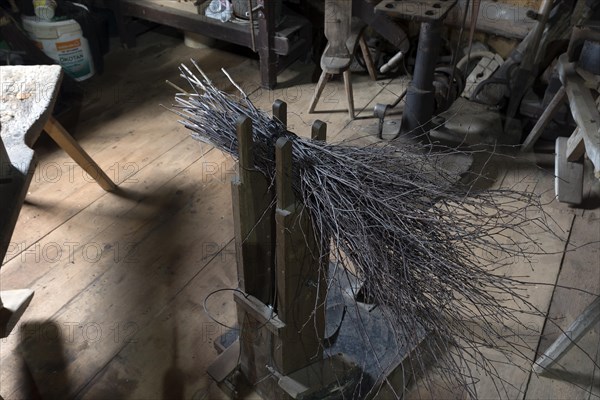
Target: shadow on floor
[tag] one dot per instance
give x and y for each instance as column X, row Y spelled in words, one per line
column 43, row 374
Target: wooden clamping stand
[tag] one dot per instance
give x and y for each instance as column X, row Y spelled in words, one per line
column 282, row 282
column 285, row 347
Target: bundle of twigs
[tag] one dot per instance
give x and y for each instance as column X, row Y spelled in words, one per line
column 425, row 247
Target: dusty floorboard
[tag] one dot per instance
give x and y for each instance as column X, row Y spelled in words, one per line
column 120, row 279
column 576, row 375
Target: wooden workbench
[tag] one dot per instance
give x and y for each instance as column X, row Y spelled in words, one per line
column 278, row 43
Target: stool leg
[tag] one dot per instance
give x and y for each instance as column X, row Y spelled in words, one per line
column 60, row 135
column 348, row 85
column 367, row 57
column 318, row 90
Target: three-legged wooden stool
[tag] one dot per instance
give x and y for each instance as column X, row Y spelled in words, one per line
column 345, row 34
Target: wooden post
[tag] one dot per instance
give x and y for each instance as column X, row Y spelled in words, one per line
column 280, row 111
column 254, row 224
column 299, row 283
column 254, row 237
column 319, row 131
column 128, row 39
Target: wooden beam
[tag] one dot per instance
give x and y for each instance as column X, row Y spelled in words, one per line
column 583, row 108
column 544, row 120
column 568, row 184
column 263, row 314
column 318, row 91
column 575, row 146
column 225, row 364
column 349, row 94
column 586, row 321
column 254, row 226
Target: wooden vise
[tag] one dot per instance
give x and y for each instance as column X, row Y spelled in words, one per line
column 282, row 281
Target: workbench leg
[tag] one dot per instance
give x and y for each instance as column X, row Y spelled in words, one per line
column 266, row 46
column 127, row 37
column 60, row 135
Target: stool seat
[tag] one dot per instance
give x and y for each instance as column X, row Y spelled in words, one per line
column 336, row 62
column 335, row 65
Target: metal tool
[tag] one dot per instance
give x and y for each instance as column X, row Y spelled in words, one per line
column 390, row 129
column 385, row 68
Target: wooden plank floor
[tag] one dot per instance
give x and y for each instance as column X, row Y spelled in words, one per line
column 120, row 279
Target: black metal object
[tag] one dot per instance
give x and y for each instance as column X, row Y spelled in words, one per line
column 420, row 95
column 381, row 23
column 386, row 131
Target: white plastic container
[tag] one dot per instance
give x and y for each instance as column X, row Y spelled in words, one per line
column 44, row 9
column 63, row 42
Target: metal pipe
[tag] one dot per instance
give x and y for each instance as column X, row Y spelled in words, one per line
column 392, row 63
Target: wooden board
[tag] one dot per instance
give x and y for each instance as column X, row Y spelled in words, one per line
column 576, row 376
column 568, row 184
column 182, row 335
column 135, row 281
